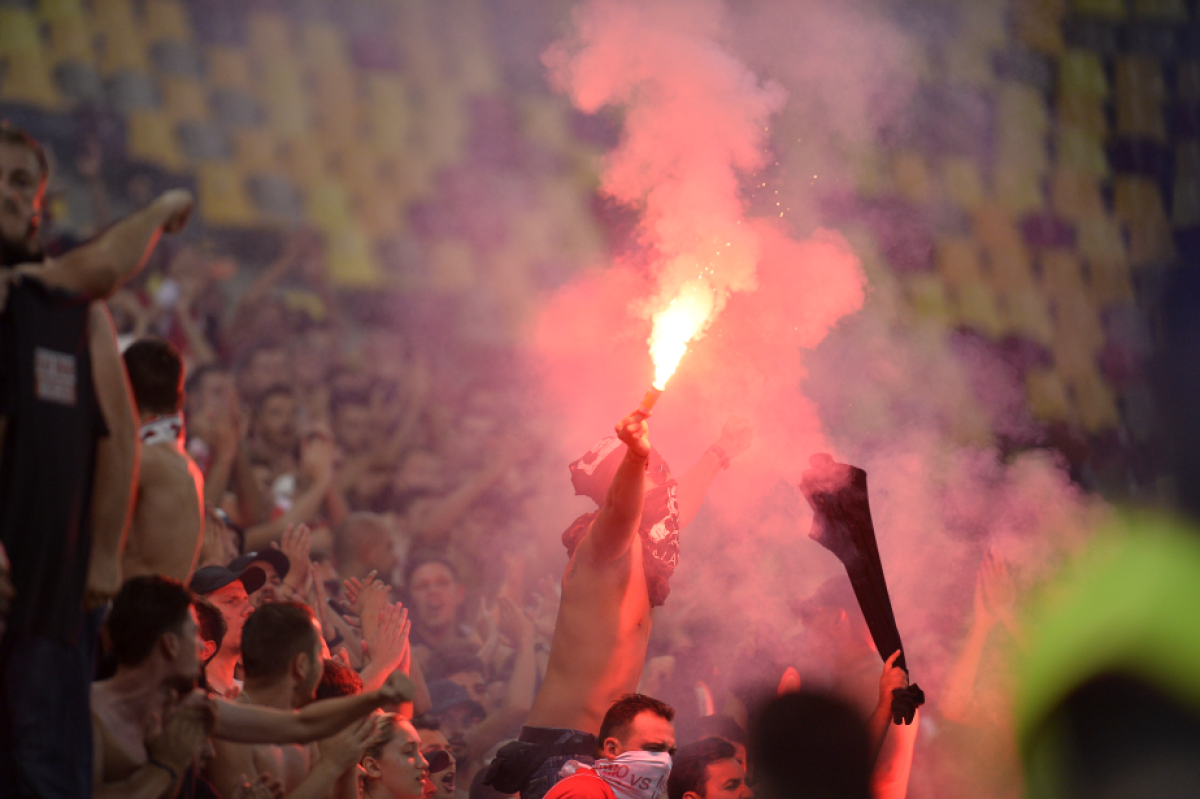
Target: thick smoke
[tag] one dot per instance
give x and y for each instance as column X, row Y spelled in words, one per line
column 816, row 343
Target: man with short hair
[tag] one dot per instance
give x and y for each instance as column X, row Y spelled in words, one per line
column 283, row 660
column 363, row 544
column 154, row 633
column 725, row 728
column 636, row 743
column 437, row 752
column 437, row 597
column 621, row 558
column 211, row 627
column 230, row 592
column 274, row 564
column 68, row 458
column 168, row 513
column 707, row 769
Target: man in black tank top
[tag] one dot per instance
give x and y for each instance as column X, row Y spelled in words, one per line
column 67, row 455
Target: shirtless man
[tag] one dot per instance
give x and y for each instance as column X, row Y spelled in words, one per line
column 168, row 514
column 155, row 637
column 282, row 655
column 611, row 583
column 68, row 434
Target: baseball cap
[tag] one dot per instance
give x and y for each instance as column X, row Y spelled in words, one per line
column 273, row 556
column 210, row 578
column 446, row 694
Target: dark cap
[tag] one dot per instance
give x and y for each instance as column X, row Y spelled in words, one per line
column 273, row 556
column 446, row 694
column 210, row 578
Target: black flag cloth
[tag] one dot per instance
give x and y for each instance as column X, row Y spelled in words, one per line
column 842, row 524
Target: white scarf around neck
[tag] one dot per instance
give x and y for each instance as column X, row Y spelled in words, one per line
column 633, row 775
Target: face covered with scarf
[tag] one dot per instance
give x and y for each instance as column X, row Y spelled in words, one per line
column 636, row 764
column 632, row 775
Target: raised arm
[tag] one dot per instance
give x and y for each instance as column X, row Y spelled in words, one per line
column 735, row 439
column 117, row 459
column 259, row 725
column 616, row 525
column 97, row 268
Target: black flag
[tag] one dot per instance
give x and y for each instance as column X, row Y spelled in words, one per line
column 842, row 524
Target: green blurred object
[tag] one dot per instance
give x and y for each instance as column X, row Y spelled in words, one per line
column 1129, row 605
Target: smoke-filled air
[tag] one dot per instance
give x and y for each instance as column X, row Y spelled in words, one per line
column 736, row 125
column 633, row 395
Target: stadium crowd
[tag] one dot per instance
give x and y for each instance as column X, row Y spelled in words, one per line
column 242, row 547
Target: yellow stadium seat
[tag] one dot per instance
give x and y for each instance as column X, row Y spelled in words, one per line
column 223, row 197
column 1166, row 10
column 254, row 150
column 1046, row 394
column 1140, row 94
column 54, row 10
column 1027, row 314
column 1009, row 270
column 229, row 68
column 70, row 40
column 1038, row 25
column 151, row 137
column 19, row 34
column 1061, row 273
column 329, row 205
column 1095, row 404
column 1111, row 9
column 1187, row 80
column 27, row 79
column 911, row 176
column 977, row 308
column 996, row 229
column 1075, row 195
column 1078, row 331
column 302, row 160
column 323, row 46
column 961, row 182
column 1084, row 113
column 282, row 93
column 388, row 114
column 870, row 168
column 968, row 62
column 1109, row 281
column 1081, row 72
column 352, row 261
column 269, row 35
column 1022, row 107
column 118, row 31
column 927, row 297
column 958, row 261
column 184, row 99
column 377, row 211
column 1138, row 203
column 1099, row 240
column 167, row 20
column 283, row 96
column 1076, row 149
column 1018, row 192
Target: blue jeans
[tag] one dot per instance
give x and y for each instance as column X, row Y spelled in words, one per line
column 45, row 716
